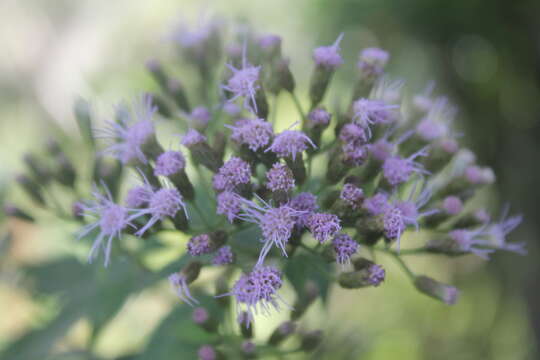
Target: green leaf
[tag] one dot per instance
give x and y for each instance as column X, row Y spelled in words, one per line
column 305, row 266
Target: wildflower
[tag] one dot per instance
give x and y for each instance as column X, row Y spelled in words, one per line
column 367, row 113
column 354, row 155
column 366, row 273
column 138, row 196
column 207, row 352
column 192, row 138
column 397, row 170
column 377, row 204
column 319, row 117
column 452, row 205
column 352, row 133
column 436, row 124
column 352, row 195
column 446, row 293
column 497, row 233
column 372, row 61
column 169, row 163
column 280, row 178
column 306, row 204
column 180, row 281
column 290, row 143
column 344, row 247
column 228, row 204
column 323, row 226
column 410, row 209
column 199, row 245
column 200, row 150
column 329, row 56
column 233, row 173
column 111, row 219
column 393, row 224
column 224, row 256
column 199, row 118
column 327, row 60
column 133, row 133
column 469, row 241
column 255, row 133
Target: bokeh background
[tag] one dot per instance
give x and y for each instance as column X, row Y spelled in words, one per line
column 484, row 54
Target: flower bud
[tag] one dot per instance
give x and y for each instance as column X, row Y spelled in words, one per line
column 36, row 168
column 83, row 115
column 208, row 352
column 366, row 273
column 201, row 152
column 201, row 317
column 445, row 293
column 191, row 271
column 282, row 332
column 175, row 89
column 311, row 340
column 16, row 212
column 31, row 188
column 249, row 349
column 65, row 172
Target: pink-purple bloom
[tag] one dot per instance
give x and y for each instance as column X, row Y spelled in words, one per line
column 452, row 205
column 376, row 204
column 233, row 173
column 306, row 204
column 280, row 178
column 329, row 56
column 323, row 226
column 319, row 117
column 179, row 283
column 372, row 61
column 169, row 163
column 352, row 133
column 411, row 208
column 367, row 113
column 290, row 143
column 192, row 137
column 397, row 170
column 255, row 133
column 138, row 196
column 224, row 256
column 344, row 247
column 229, row 204
column 199, row 245
column 244, row 83
column 352, row 195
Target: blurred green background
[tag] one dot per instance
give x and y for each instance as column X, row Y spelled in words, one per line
column 484, row 54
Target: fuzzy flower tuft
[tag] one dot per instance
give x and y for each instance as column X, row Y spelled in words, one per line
column 329, row 56
column 224, row 256
column 397, row 170
column 306, row 204
column 280, row 178
column 290, row 143
column 192, row 137
column 372, row 61
column 255, row 133
column 352, row 195
column 229, row 204
column 344, row 247
column 199, row 245
column 233, row 173
column 169, row 163
column 323, row 226
column 319, row 117
column 244, row 83
column 179, row 283
column 371, row 112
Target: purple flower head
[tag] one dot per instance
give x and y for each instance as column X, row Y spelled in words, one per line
column 352, row 195
column 192, row 137
column 329, row 56
column 200, row 117
column 244, row 82
column 479, row 176
column 344, row 247
column 410, row 208
column 449, row 145
column 452, row 205
column 179, row 283
column 471, row 241
column 231, row 109
column 290, row 143
column 424, row 100
column 234, row 172
column 164, row 202
column 352, row 133
column 276, row 224
column 258, row 291
column 111, row 219
column 200, row 315
column 169, row 163
column 323, row 226
column 382, row 149
column 397, row 170
column 138, row 196
column 306, row 204
column 393, row 223
column 497, row 233
column 255, row 133
column 377, row 204
column 388, row 91
column 319, row 117
column 377, row 274
column 269, row 42
column 224, row 256
column 437, row 122
column 354, row 154
column 199, row 245
column 207, row 352
column 229, row 204
column 280, row 178
column 372, row 61
column 371, row 112
column 482, row 216
column 131, row 132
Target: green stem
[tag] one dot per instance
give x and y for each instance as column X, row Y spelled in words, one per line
column 299, row 108
column 274, row 109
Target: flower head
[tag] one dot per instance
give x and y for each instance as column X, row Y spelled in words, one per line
column 229, row 204
column 234, row 172
column 377, row 204
column 372, row 61
column 319, row 117
column 497, row 233
column 255, row 133
column 306, row 204
column 280, row 178
column 329, row 56
column 200, row 117
column 200, row 245
column 377, row 274
column 355, row 155
column 244, row 83
column 411, row 208
column 352, row 133
column 138, row 196
column 352, row 195
column 344, row 247
column 192, row 137
column 393, row 223
column 397, row 170
column 207, row 352
column 131, row 132
column 323, row 226
column 111, row 219
column 371, row 112
column 224, row 256
column 169, row 163
column 179, row 283
column 471, row 241
column 290, row 143
column 452, row 205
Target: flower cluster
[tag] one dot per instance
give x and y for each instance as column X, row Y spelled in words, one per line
column 258, row 202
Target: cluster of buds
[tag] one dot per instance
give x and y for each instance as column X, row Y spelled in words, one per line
column 388, row 172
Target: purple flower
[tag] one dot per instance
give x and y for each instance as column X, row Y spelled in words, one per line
column 352, row 133
column 371, row 112
column 410, row 209
column 319, row 117
column 372, row 61
column 234, row 172
column 377, row 204
column 255, row 133
column 471, row 241
column 306, row 204
column 389, row 92
column 200, row 117
column 111, row 219
column 452, row 205
column 131, row 132
column 344, row 247
column 228, row 204
column 163, row 203
column 397, row 170
column 323, row 226
column 382, row 149
column 497, row 233
column 269, row 42
column 224, row 256
column 199, row 245
column 258, row 291
column 437, row 122
column 280, row 178
column 179, row 283
column 207, row 352
column 329, row 56
column 200, row 315
column 424, row 100
column 393, row 223
column 231, row 109
column 479, row 176
column 352, row 195
column 244, row 82
column 192, row 137
column 376, row 275
column 290, row 143
column 354, row 154
column 169, row 163
column 276, row 224
column 138, row 196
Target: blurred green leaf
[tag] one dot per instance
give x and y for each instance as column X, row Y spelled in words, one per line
column 305, row 266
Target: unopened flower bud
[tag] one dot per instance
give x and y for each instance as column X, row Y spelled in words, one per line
column 366, row 273
column 37, row 169
column 177, row 92
column 13, row 211
column 311, row 340
column 83, row 115
column 445, row 293
column 31, row 188
column 283, row 331
column 208, row 352
column 249, row 349
column 201, row 317
column 201, row 152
